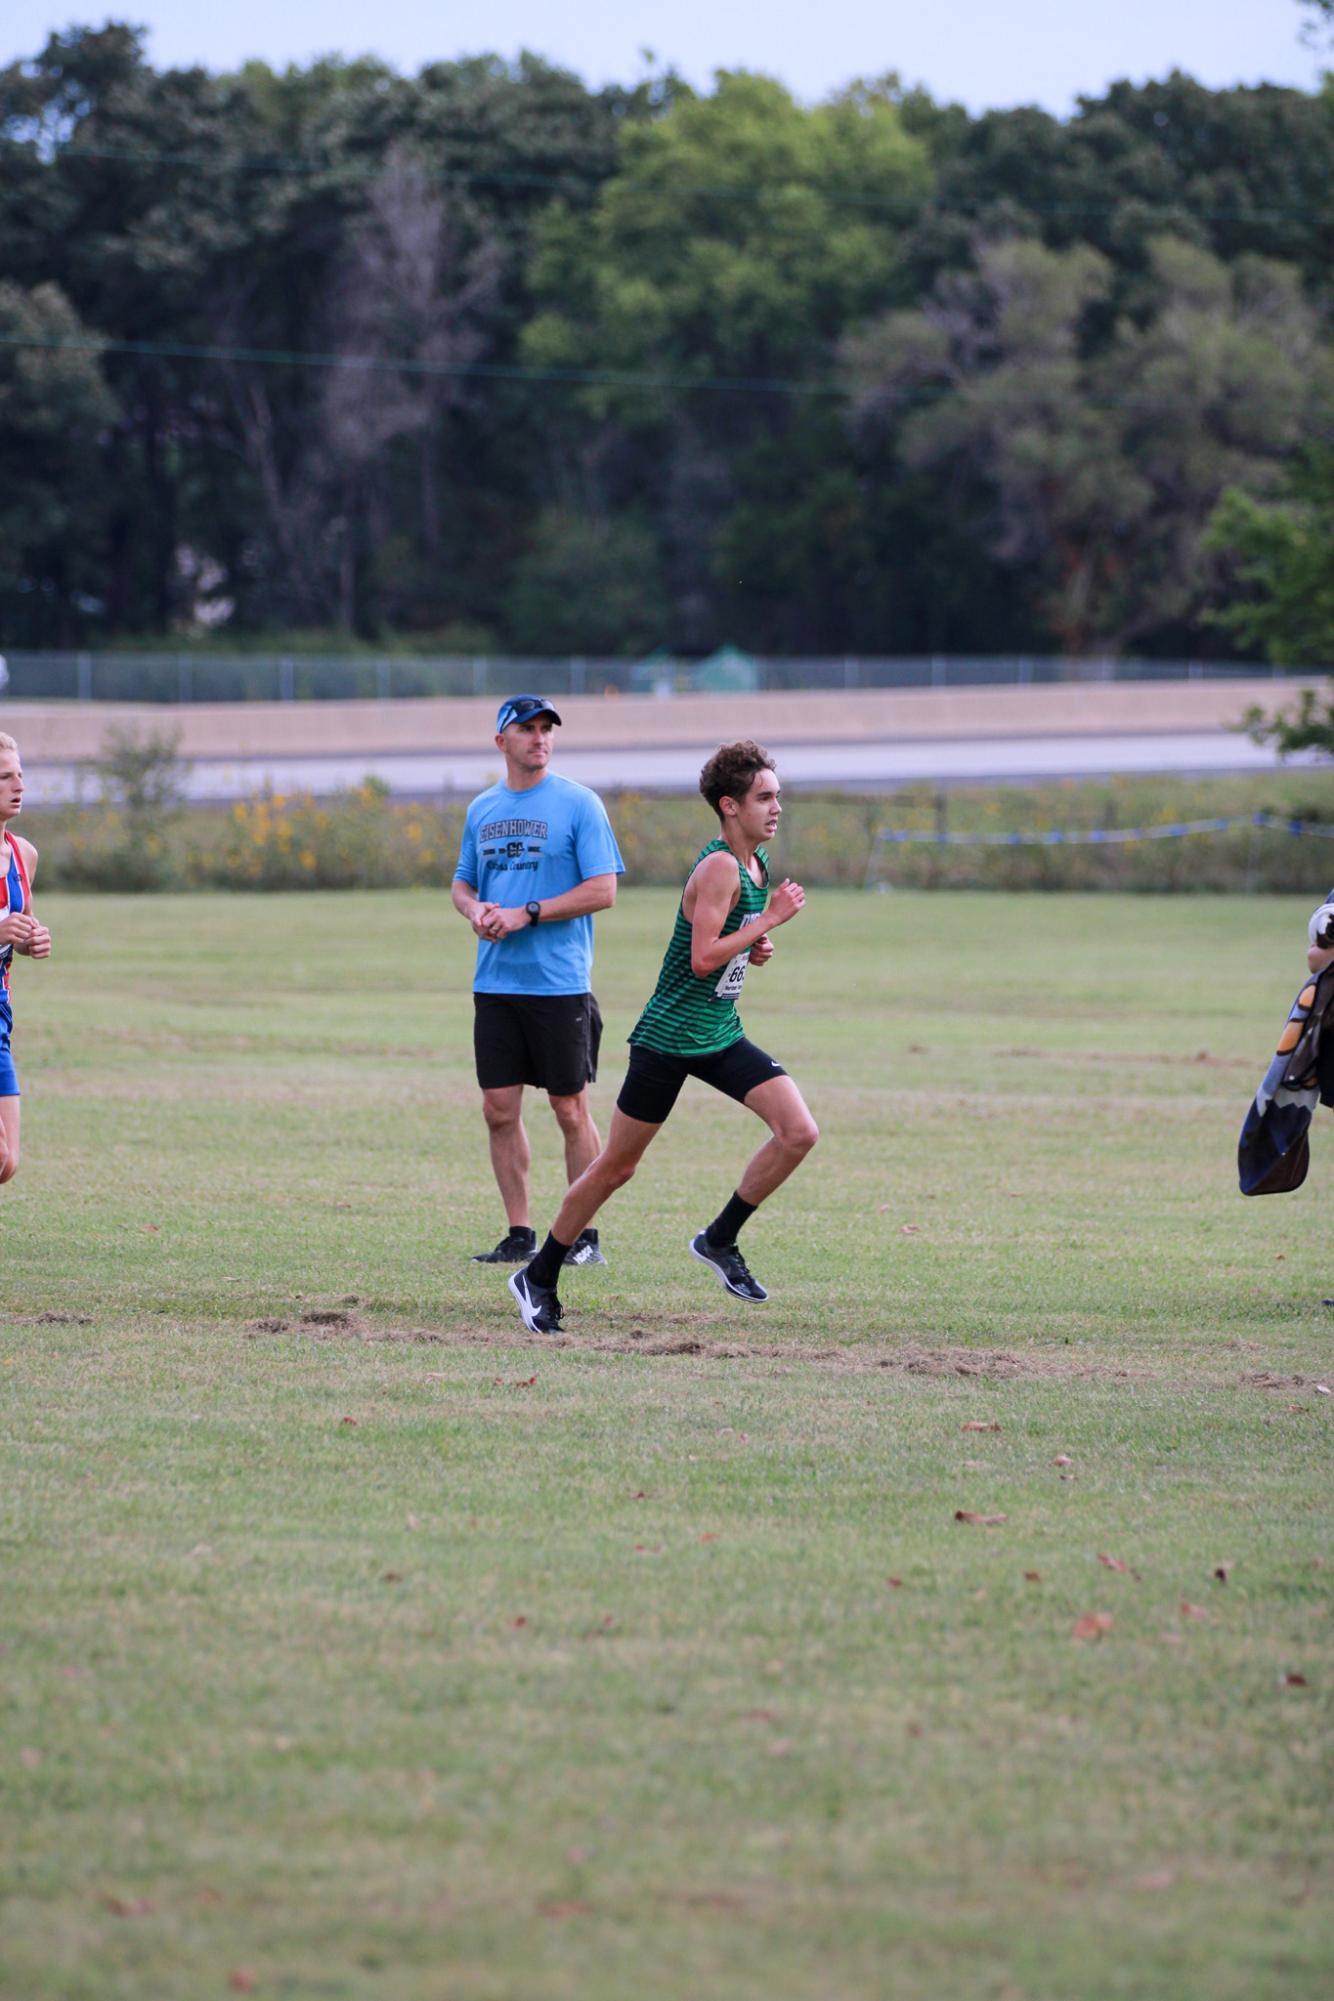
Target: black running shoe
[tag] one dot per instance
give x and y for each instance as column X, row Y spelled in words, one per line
column 537, row 1303
column 585, row 1250
column 730, row 1266
column 515, row 1248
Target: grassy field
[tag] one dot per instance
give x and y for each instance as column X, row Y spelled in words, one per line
column 354, row 1643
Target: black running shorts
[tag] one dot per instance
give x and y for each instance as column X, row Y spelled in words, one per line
column 550, row 1040
column 653, row 1081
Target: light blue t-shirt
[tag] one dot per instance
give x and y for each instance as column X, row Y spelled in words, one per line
column 519, row 847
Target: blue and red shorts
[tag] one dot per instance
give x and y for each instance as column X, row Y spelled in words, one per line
column 9, row 1083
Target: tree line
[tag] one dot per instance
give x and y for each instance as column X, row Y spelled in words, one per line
column 491, row 361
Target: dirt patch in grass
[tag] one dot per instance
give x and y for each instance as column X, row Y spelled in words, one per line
column 46, row 1319
column 1104, row 1057
column 1264, row 1379
column 908, row 1359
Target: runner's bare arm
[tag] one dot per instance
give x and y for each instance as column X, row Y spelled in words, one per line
column 37, row 943
column 710, row 898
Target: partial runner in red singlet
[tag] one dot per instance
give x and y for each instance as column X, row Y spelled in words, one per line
column 19, row 932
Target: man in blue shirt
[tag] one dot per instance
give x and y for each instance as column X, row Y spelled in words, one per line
column 538, row 858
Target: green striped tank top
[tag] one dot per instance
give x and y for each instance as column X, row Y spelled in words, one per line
column 687, row 1015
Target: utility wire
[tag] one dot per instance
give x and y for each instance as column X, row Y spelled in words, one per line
column 393, row 365
column 574, row 378
column 906, row 201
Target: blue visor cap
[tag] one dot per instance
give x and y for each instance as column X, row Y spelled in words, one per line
column 522, row 709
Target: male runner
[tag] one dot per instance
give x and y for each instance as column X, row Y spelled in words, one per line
column 690, row 1028
column 19, row 932
column 538, row 858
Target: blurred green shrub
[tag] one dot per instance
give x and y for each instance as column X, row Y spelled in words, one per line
column 362, row 840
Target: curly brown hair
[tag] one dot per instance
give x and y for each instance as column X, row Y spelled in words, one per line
column 731, row 771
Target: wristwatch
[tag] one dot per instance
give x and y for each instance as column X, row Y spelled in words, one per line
column 534, row 912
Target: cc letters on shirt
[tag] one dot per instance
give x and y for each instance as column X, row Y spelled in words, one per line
column 505, row 843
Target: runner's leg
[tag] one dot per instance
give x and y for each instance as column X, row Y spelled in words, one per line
column 793, row 1132
column 626, row 1145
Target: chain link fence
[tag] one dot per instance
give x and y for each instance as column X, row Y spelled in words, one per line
column 187, row 676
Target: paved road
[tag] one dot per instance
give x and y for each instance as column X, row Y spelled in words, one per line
column 879, row 766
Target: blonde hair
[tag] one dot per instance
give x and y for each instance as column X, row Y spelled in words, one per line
column 7, row 742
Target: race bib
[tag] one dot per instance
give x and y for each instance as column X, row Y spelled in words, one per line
column 733, row 975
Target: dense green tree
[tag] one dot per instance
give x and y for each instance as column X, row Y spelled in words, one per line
column 1101, row 462
column 1235, row 171
column 54, row 405
column 485, row 355
column 716, row 272
column 1280, row 555
column 588, row 586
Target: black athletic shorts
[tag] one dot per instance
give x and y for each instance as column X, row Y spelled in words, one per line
column 653, row 1081
column 550, row 1040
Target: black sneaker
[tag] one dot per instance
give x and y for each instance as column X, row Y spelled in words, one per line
column 537, row 1303
column 515, row 1248
column 585, row 1250
column 730, row 1266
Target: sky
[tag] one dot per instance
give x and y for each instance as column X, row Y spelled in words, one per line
column 972, row 52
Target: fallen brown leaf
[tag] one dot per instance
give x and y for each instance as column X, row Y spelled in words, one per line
column 349, row 1420
column 979, row 1521
column 391, row 1577
column 130, row 1907
column 910, row 1229
column 568, row 1907
column 709, row 1538
column 1115, row 1563
column 1294, row 1681
column 1189, row 1611
column 1032, row 1577
column 894, row 1583
column 1063, row 1459
column 1092, row 1625
column 243, row 1979
column 1222, row 1572
column 978, row 1424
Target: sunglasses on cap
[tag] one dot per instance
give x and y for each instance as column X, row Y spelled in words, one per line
column 522, row 709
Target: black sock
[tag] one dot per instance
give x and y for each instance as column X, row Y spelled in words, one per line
column 545, row 1267
column 725, row 1225
column 523, row 1230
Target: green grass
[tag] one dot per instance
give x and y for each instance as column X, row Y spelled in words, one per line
column 575, row 1669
